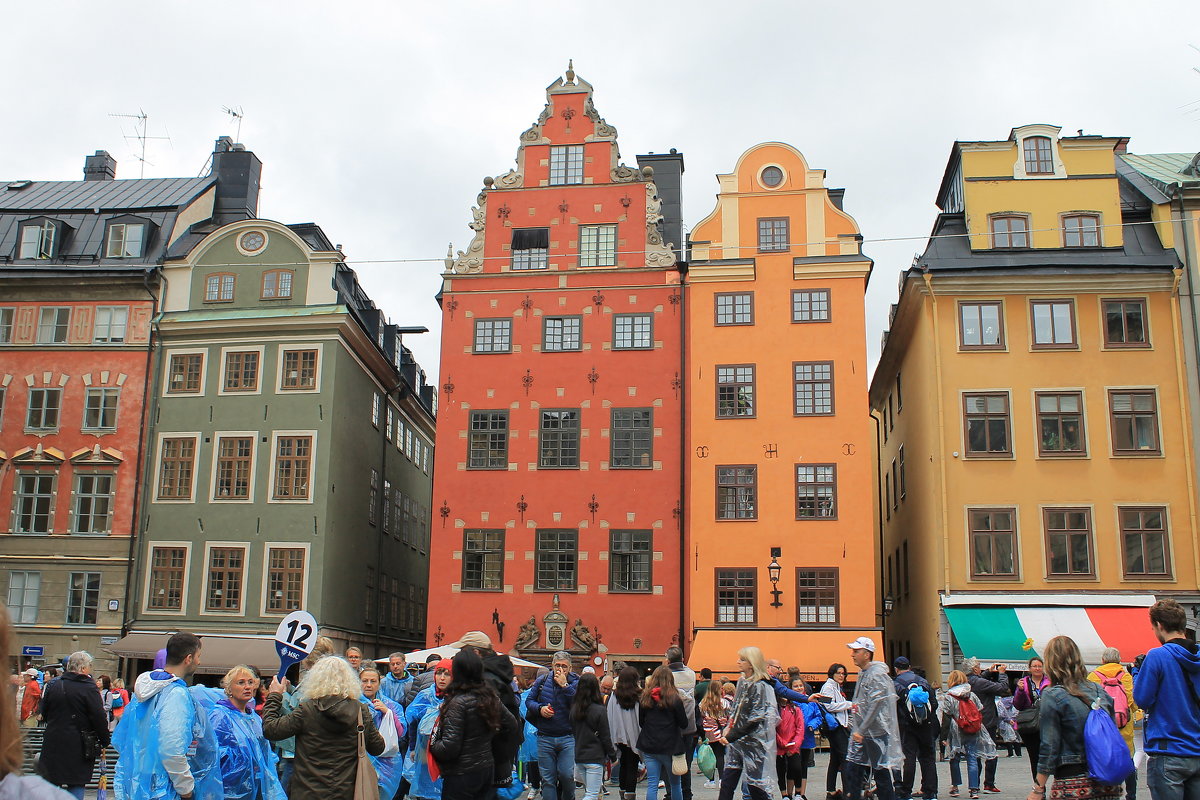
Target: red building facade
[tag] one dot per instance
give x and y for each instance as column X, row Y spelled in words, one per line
column 559, row 431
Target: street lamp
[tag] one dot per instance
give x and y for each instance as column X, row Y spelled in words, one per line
column 889, row 603
column 773, row 570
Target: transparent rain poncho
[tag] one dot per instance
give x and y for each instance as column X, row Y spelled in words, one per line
column 422, row 716
column 985, row 748
column 247, row 762
column 754, row 705
column 164, row 734
column 390, row 769
column 874, row 717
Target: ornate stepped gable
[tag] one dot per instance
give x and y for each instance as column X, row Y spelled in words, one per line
column 658, row 253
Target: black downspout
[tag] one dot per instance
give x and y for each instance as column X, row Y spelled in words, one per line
column 685, row 637
column 143, row 467
column 879, row 502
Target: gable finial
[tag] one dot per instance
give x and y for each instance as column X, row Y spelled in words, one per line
column 570, row 70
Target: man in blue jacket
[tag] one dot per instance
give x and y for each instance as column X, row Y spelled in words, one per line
column 395, row 684
column 1168, row 689
column 548, row 707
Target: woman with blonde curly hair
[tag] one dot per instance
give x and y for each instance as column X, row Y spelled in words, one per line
column 326, row 725
column 750, row 735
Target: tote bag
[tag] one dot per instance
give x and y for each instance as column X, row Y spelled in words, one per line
column 366, row 782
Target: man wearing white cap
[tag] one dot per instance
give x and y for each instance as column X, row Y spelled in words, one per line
column 874, row 733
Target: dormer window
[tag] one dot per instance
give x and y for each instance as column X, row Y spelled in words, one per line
column 530, row 248
column 566, row 164
column 1010, row 231
column 1039, row 158
column 40, row 238
column 125, row 240
column 277, row 285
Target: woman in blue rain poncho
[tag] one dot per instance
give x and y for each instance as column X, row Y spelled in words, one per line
column 248, row 766
column 389, row 719
column 421, row 716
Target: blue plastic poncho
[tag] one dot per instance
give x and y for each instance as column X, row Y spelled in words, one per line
column 167, row 746
column 394, row 688
column 247, row 762
column 422, row 715
column 390, row 769
column 529, row 747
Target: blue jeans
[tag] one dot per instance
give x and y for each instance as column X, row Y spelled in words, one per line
column 658, row 767
column 556, row 762
column 1173, row 777
column 593, row 776
column 970, row 744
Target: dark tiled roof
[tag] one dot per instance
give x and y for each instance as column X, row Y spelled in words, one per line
column 950, row 249
column 125, row 195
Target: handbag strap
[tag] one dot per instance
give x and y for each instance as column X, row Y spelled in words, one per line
column 362, row 742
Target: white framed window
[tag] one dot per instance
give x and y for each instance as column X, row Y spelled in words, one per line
column 597, row 245
column 285, row 577
column 566, row 164
column 125, row 240
column 53, row 322
column 93, row 502
column 167, row 577
column 225, row 578
column 24, row 592
column 175, row 469
column 233, row 466
column 39, row 239
column 111, row 324
column 293, row 464
column 6, row 325
column 241, row 370
column 100, row 409
column 299, row 368
column 185, row 372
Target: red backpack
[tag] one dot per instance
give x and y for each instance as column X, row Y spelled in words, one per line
column 969, row 719
column 1112, row 686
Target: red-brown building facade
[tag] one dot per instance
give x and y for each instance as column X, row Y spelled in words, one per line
column 558, row 476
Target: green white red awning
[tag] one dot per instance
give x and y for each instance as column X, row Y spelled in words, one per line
column 1013, row 628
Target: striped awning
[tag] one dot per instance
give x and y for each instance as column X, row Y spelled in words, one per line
column 1016, row 631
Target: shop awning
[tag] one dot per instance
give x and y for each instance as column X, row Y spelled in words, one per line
column 1012, row 628
column 218, row 652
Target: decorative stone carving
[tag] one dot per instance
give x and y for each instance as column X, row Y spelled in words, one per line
column 657, row 253
column 511, row 180
column 582, row 638
column 529, row 634
column 603, row 129
column 472, row 259
column 624, row 174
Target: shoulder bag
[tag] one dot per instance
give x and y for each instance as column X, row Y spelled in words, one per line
column 1029, row 720
column 366, row 781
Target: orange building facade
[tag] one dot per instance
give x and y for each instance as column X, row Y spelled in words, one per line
column 559, row 466
column 780, row 543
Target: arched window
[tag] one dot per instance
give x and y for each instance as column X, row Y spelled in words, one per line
column 218, row 287
column 277, row 284
column 1039, row 158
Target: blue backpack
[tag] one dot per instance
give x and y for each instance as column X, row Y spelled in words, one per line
column 918, row 703
column 1107, row 754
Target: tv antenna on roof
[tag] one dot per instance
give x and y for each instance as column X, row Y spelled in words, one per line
column 139, row 133
column 236, row 114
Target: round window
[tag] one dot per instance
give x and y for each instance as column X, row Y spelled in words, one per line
column 253, row 241
column 771, row 177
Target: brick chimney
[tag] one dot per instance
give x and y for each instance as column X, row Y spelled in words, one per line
column 100, row 167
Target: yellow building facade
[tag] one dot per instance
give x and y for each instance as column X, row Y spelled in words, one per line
column 780, row 551
column 1034, row 452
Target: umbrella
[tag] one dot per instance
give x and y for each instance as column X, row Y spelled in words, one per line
column 419, row 656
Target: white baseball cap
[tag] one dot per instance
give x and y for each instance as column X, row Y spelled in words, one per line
column 862, row 643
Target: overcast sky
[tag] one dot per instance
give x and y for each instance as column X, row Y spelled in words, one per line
column 378, row 121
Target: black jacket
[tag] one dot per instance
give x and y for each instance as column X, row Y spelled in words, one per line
column 498, row 673
column 463, row 741
column 904, row 681
column 70, row 705
column 662, row 729
column 987, row 691
column 593, row 742
column 421, row 681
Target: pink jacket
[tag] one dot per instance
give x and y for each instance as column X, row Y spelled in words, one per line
column 789, row 735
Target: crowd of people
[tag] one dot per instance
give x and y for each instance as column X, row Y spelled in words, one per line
column 469, row 727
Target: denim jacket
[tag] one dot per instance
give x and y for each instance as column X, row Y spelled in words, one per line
column 1062, row 720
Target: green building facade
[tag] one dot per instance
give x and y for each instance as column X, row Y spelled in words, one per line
column 289, row 455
